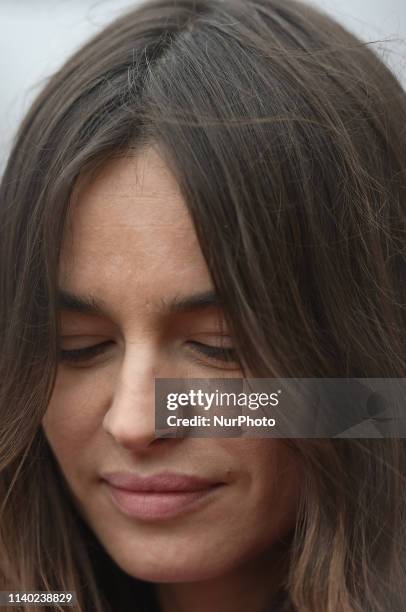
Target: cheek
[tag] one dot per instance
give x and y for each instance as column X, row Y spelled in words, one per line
column 282, row 490
column 274, row 484
column 74, row 415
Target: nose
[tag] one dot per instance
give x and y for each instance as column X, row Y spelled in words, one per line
column 130, row 418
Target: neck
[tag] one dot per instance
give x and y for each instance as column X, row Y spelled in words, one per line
column 252, row 586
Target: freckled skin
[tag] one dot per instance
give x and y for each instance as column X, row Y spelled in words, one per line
column 131, row 244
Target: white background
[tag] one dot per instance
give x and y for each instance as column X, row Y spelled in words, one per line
column 37, row 35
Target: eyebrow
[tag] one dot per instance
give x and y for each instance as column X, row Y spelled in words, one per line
column 88, row 304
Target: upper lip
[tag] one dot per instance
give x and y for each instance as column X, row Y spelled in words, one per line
column 162, row 482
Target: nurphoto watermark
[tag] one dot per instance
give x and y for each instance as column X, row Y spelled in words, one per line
column 281, row 407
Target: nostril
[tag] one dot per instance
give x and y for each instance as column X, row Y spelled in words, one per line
column 132, row 431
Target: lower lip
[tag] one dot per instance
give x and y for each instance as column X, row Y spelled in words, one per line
column 158, row 505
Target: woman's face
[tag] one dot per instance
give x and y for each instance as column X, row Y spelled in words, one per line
column 130, row 246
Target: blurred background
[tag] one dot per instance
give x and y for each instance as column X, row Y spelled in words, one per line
column 36, row 36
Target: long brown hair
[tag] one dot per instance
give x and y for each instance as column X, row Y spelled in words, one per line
column 287, row 136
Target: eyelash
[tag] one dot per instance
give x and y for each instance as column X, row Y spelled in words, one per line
column 74, row 355
column 226, row 355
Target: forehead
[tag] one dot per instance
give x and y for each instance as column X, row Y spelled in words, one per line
column 133, row 195
column 129, row 236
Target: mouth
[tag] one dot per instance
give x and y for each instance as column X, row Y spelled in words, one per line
column 161, row 496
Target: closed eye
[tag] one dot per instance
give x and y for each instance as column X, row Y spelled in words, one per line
column 216, row 353
column 83, row 354
column 226, row 354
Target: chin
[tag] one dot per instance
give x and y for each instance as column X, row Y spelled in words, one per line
column 154, row 568
column 170, row 574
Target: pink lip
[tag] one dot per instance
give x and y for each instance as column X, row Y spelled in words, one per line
column 159, row 496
